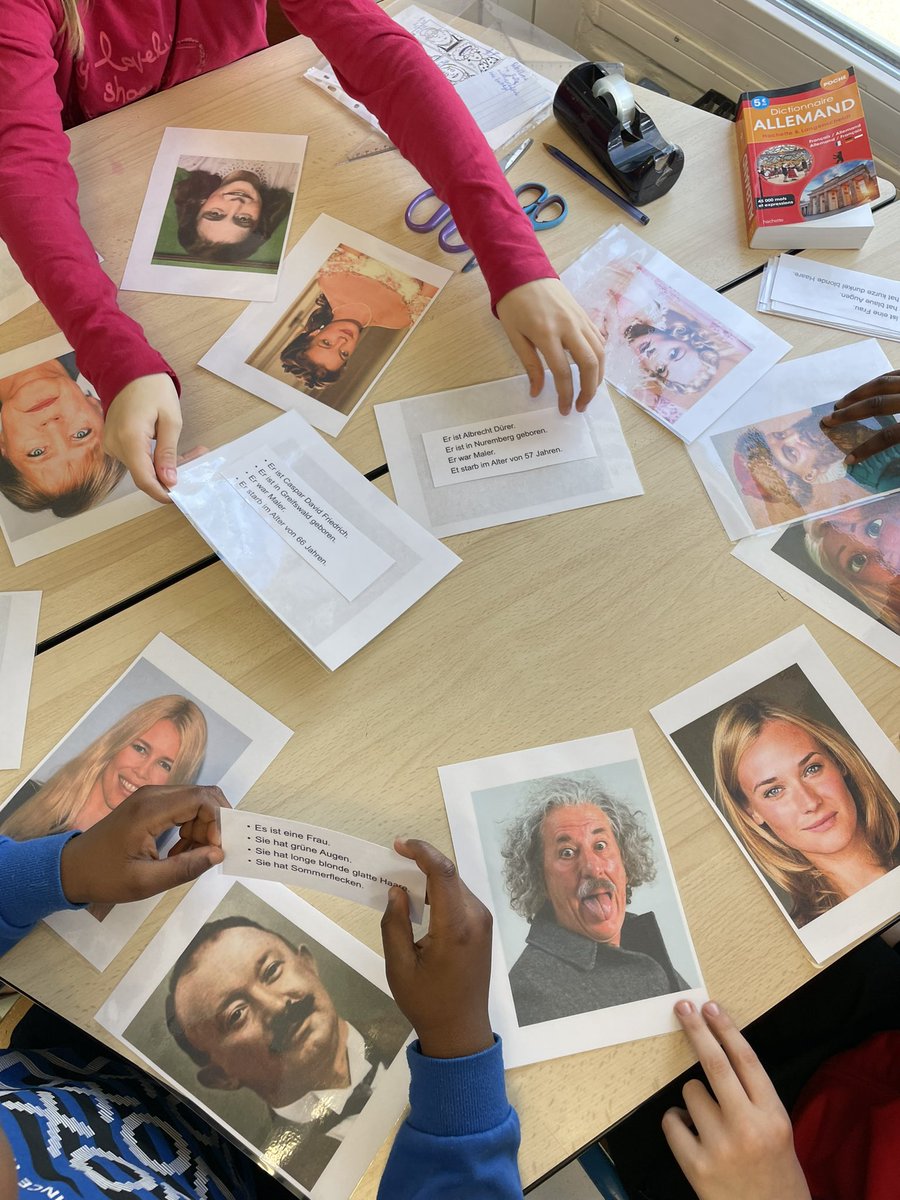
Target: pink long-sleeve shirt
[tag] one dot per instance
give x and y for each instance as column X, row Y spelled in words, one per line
column 137, row 47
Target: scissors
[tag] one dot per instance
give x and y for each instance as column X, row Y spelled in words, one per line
column 448, row 238
column 535, row 205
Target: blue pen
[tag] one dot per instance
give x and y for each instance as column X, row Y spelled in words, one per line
column 601, row 187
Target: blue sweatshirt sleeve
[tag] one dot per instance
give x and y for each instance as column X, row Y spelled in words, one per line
column 30, row 884
column 461, row 1137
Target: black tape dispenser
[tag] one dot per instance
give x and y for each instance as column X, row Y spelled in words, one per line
column 596, row 105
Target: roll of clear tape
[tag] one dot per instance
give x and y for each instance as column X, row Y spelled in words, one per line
column 616, row 93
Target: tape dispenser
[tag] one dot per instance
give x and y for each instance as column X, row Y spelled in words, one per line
column 596, row 105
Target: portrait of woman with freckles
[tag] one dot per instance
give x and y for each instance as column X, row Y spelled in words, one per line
column 807, row 806
column 161, row 741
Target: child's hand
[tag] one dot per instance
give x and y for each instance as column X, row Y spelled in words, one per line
column 543, row 318
column 145, row 409
column 117, row 859
column 741, row 1148
column 441, row 982
column 878, row 398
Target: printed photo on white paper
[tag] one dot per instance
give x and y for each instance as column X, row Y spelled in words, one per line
column 57, row 486
column 673, row 344
column 19, row 612
column 487, row 455
column 805, row 782
column 258, row 846
column 328, row 553
column 277, row 1024
column 503, row 95
column 845, row 566
column 168, row 719
column 768, row 462
column 216, row 215
column 346, row 305
column 563, row 844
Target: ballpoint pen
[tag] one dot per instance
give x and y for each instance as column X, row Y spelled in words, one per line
column 601, row 187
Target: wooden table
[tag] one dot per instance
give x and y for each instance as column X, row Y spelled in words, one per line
column 553, row 629
column 457, row 343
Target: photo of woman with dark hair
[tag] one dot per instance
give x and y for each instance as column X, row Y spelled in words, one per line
column 227, row 210
column 354, row 306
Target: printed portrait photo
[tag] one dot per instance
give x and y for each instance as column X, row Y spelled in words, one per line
column 784, row 164
column 676, row 347
column 661, row 350
column 148, row 730
column 786, row 467
column 167, row 720
column 226, row 212
column 272, row 1032
column 57, row 484
column 563, row 844
column 855, row 554
column 577, row 878
column 342, row 329
column 802, row 799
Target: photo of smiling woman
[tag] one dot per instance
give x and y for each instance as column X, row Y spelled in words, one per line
column 227, row 211
column 809, row 809
column 162, row 741
column 342, row 329
column 51, row 441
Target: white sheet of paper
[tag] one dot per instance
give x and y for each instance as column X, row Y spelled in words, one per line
column 330, row 257
column 820, row 380
column 820, row 290
column 303, row 518
column 327, row 860
column 240, row 739
column 504, row 97
column 790, row 667
column 520, row 442
column 15, row 294
column 352, row 975
column 675, row 346
column 332, row 627
column 31, row 535
column 536, row 488
column 235, row 280
column 19, row 613
column 483, row 799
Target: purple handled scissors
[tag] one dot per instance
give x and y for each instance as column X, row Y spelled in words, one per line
column 442, row 215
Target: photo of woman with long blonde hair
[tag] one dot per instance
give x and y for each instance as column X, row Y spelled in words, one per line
column 809, row 809
column 161, row 741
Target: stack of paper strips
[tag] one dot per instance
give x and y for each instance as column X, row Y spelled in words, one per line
column 825, row 295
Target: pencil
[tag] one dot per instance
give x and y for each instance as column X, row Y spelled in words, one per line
column 597, row 183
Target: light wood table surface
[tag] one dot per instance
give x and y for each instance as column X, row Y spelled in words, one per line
column 457, row 343
column 552, row 629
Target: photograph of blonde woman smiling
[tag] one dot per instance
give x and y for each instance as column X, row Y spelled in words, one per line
column 162, row 741
column 810, row 810
column 51, row 441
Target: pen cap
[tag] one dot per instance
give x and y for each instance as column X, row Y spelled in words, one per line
column 633, row 152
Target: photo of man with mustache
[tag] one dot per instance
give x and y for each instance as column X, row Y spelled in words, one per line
column 251, row 1011
column 571, row 863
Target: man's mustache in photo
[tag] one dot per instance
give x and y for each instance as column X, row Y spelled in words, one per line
column 284, row 1024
